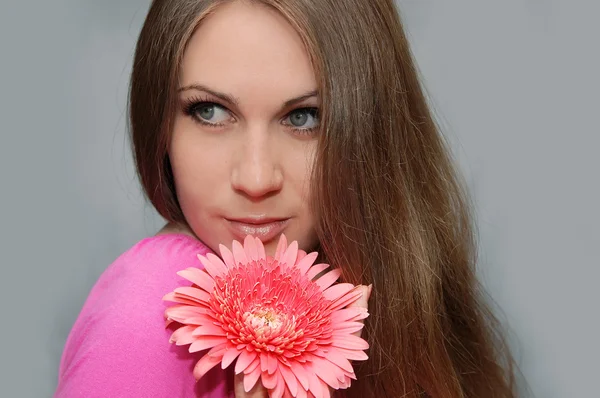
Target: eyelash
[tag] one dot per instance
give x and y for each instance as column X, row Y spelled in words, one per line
column 191, row 105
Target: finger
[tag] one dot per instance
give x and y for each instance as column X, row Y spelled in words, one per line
column 258, row 391
column 362, row 301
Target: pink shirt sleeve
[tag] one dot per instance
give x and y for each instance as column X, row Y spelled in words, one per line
column 119, row 347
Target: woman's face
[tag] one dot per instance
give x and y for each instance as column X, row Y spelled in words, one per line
column 244, row 137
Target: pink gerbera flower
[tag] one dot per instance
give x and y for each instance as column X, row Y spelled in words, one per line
column 273, row 317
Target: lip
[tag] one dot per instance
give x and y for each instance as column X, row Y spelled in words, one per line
column 261, row 227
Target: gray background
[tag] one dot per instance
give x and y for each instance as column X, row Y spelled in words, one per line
column 515, row 85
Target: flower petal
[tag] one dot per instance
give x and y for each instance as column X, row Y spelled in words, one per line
column 343, row 301
column 281, row 247
column 214, row 270
column 206, row 342
column 316, row 270
column 261, row 249
column 272, row 363
column 169, row 297
column 287, row 393
column 251, row 378
column 353, row 355
column 264, row 362
column 328, row 372
column 350, row 342
column 269, row 381
column 252, row 366
column 303, row 394
column 218, row 262
column 337, row 358
column 290, row 379
column 349, row 314
column 246, row 357
column 250, row 248
column 301, row 255
column 279, row 389
column 193, row 294
column 301, row 374
column 329, row 278
column 198, row 277
column 176, row 298
column 218, row 350
column 227, row 256
column 346, row 328
column 239, row 255
column 198, row 320
column 230, row 355
column 183, row 336
column 205, row 364
column 209, row 330
column 336, row 291
column 345, row 383
column 317, row 386
column 308, row 260
column 181, row 313
column 289, row 257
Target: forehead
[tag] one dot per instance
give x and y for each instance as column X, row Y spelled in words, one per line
column 245, row 47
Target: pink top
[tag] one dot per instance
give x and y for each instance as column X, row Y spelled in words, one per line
column 119, row 346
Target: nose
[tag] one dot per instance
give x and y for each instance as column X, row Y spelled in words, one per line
column 256, row 168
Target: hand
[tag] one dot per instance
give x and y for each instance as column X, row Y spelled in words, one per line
column 363, row 301
column 258, row 391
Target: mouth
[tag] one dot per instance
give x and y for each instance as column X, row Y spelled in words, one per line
column 263, row 228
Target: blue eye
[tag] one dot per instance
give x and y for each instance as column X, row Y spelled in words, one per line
column 208, row 113
column 304, row 118
column 302, row 121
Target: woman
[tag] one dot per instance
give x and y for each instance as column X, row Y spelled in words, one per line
column 303, row 117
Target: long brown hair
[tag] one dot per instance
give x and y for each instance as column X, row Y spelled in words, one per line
column 392, row 209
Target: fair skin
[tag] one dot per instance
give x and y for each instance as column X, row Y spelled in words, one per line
column 244, row 168
column 248, row 171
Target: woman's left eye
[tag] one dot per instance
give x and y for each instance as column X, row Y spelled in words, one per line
column 303, row 119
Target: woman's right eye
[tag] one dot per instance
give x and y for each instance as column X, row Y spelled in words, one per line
column 208, row 113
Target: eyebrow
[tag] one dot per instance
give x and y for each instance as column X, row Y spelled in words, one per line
column 236, row 102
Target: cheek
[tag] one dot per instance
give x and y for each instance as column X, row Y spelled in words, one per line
column 196, row 165
column 300, row 180
column 300, row 170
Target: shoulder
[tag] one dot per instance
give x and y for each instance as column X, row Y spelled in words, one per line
column 147, row 271
column 134, row 284
column 159, row 253
column 121, row 327
column 155, row 260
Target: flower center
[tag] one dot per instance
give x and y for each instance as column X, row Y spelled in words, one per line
column 263, row 320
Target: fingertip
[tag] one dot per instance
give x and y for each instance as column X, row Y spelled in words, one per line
column 363, row 300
